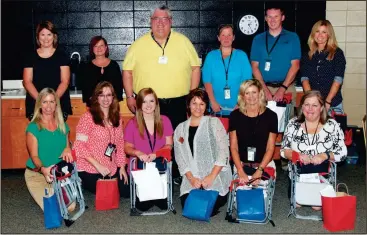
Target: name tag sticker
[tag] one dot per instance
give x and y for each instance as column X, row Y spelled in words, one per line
column 163, row 60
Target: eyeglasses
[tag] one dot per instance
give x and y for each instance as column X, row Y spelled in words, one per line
column 162, row 19
column 108, row 96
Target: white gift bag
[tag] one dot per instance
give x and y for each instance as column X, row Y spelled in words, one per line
column 280, row 111
column 150, row 185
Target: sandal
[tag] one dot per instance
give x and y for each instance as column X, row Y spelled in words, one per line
column 317, row 208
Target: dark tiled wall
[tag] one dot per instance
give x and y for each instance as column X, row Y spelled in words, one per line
column 121, row 22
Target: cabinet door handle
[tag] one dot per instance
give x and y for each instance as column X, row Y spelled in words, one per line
column 17, row 108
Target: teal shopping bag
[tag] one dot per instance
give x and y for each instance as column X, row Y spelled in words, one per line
column 51, row 210
column 199, row 204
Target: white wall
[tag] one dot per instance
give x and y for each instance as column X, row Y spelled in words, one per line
column 349, row 21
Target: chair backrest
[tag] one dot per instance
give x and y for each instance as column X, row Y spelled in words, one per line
column 364, row 128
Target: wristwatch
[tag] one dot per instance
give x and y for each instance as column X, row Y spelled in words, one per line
column 260, row 169
column 328, row 156
column 129, row 96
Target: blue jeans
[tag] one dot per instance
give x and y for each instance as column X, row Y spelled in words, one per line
column 338, row 109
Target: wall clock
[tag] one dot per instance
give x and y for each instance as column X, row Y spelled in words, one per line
column 248, row 24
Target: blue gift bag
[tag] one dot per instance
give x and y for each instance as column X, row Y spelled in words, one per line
column 199, row 204
column 51, row 211
column 250, row 204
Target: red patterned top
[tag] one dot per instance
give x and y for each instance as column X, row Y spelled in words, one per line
column 92, row 140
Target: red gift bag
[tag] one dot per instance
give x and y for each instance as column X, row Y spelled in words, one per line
column 107, row 194
column 339, row 213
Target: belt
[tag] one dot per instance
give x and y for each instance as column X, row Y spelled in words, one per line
column 253, row 165
column 169, row 100
column 274, row 84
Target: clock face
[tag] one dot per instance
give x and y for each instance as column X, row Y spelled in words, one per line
column 248, row 24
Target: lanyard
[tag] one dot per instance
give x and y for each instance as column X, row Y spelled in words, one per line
column 165, row 44
column 226, row 69
column 109, row 132
column 148, row 135
column 266, row 43
column 314, row 134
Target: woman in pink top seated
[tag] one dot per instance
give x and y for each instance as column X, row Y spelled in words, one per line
column 99, row 144
column 146, row 133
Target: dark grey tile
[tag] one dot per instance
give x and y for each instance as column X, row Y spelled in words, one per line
column 147, row 5
column 215, row 5
column 118, row 52
column 116, row 5
column 197, row 48
column 116, row 19
column 140, row 32
column 119, row 62
column 82, row 36
column 84, row 20
column 215, row 18
column 119, row 36
column 208, row 35
column 84, row 6
column 183, row 5
column 142, row 19
column 49, row 6
column 63, row 36
column 191, row 33
column 58, row 19
column 185, row 18
column 82, row 50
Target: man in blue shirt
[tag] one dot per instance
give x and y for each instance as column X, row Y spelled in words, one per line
column 275, row 57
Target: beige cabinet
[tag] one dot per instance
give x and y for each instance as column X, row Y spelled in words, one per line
column 14, row 152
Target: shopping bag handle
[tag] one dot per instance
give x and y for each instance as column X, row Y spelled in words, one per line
column 337, row 187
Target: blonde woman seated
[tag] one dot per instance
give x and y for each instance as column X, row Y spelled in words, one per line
column 252, row 133
column 99, row 144
column 201, row 151
column 315, row 137
column 47, row 143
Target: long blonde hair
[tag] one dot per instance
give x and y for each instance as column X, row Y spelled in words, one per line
column 37, row 118
column 331, row 44
column 158, row 125
column 244, row 86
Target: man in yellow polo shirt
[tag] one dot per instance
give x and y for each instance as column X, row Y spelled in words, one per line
column 166, row 61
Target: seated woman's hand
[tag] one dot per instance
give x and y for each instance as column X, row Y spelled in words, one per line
column 151, row 157
column 66, row 155
column 257, row 174
column 195, row 182
column 318, row 159
column 142, row 156
column 46, row 171
column 305, row 159
column 243, row 177
column 123, row 174
column 103, row 170
column 208, row 181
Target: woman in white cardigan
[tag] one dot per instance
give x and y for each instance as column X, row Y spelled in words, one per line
column 201, row 151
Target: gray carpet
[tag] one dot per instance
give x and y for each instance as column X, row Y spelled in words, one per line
column 20, row 214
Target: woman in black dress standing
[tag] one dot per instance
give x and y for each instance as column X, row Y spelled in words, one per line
column 100, row 68
column 49, row 67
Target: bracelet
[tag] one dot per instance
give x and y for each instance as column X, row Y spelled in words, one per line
column 129, row 96
column 260, row 169
column 39, row 169
column 329, row 103
column 284, row 86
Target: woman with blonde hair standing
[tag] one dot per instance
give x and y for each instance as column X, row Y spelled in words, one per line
column 252, row 132
column 47, row 143
column 323, row 67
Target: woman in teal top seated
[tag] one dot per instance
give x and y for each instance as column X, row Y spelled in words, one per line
column 47, row 143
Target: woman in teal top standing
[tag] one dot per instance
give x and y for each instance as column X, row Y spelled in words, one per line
column 47, row 143
column 223, row 72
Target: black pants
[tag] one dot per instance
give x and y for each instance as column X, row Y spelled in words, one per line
column 89, row 182
column 175, row 110
column 221, row 201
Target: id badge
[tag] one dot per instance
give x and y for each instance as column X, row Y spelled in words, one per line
column 109, row 150
column 227, row 93
column 163, row 60
column 267, row 65
column 251, row 152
